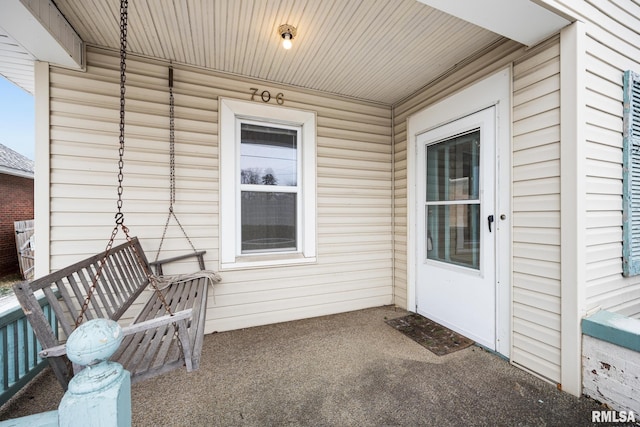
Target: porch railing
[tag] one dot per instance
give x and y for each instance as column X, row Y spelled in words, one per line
column 19, row 360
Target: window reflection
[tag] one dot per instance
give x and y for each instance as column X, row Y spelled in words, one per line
column 268, row 155
column 453, row 201
column 453, row 167
column 453, row 234
column 268, row 159
column 268, row 221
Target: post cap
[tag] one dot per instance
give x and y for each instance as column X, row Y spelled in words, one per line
column 94, row 341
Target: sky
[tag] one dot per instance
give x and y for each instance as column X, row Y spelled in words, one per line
column 17, row 129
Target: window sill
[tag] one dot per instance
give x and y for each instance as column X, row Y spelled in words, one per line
column 245, row 262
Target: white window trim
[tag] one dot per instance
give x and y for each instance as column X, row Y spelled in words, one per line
column 229, row 111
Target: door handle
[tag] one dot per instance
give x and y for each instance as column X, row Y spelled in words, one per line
column 490, row 219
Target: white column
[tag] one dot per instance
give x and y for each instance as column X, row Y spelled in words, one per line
column 42, row 170
column 572, row 202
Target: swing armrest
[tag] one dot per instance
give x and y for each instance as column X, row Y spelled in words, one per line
column 157, row 265
column 61, row 350
column 134, row 328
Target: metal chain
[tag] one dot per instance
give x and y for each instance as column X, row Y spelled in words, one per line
column 172, row 143
column 172, row 171
column 124, row 4
column 147, row 272
column 94, row 281
column 119, row 216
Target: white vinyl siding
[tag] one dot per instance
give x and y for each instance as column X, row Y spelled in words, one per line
column 613, row 46
column 536, row 211
column 354, row 259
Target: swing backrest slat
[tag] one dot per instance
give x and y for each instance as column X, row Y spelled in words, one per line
column 120, row 283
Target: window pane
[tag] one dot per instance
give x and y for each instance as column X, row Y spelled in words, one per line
column 453, row 234
column 268, row 221
column 268, row 155
column 452, row 168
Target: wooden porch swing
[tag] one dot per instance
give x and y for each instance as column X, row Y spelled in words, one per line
column 168, row 331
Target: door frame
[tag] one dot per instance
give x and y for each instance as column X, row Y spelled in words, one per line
column 494, row 90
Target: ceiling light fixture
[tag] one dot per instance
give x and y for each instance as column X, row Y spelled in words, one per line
column 287, row 32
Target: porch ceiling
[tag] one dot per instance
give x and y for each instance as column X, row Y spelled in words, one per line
column 377, row 50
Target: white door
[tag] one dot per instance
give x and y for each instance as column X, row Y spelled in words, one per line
column 456, row 224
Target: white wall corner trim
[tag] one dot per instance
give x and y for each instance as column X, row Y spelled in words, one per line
column 42, row 183
column 572, row 202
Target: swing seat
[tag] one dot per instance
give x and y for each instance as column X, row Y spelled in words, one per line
column 154, row 343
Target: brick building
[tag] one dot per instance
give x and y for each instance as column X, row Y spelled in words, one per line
column 16, row 203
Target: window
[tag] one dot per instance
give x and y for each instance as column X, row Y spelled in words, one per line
column 631, row 175
column 269, row 191
column 267, row 185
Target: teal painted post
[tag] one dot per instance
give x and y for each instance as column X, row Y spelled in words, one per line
column 44, row 419
column 101, row 393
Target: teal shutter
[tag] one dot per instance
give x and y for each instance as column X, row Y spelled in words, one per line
column 631, row 175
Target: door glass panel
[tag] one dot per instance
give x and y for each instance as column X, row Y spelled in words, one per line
column 452, row 168
column 453, row 234
column 452, row 205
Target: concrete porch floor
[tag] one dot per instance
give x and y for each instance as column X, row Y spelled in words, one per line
column 348, row 369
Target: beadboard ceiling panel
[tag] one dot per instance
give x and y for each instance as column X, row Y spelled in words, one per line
column 376, row 50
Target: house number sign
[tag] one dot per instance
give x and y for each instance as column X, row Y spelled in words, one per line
column 265, row 95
